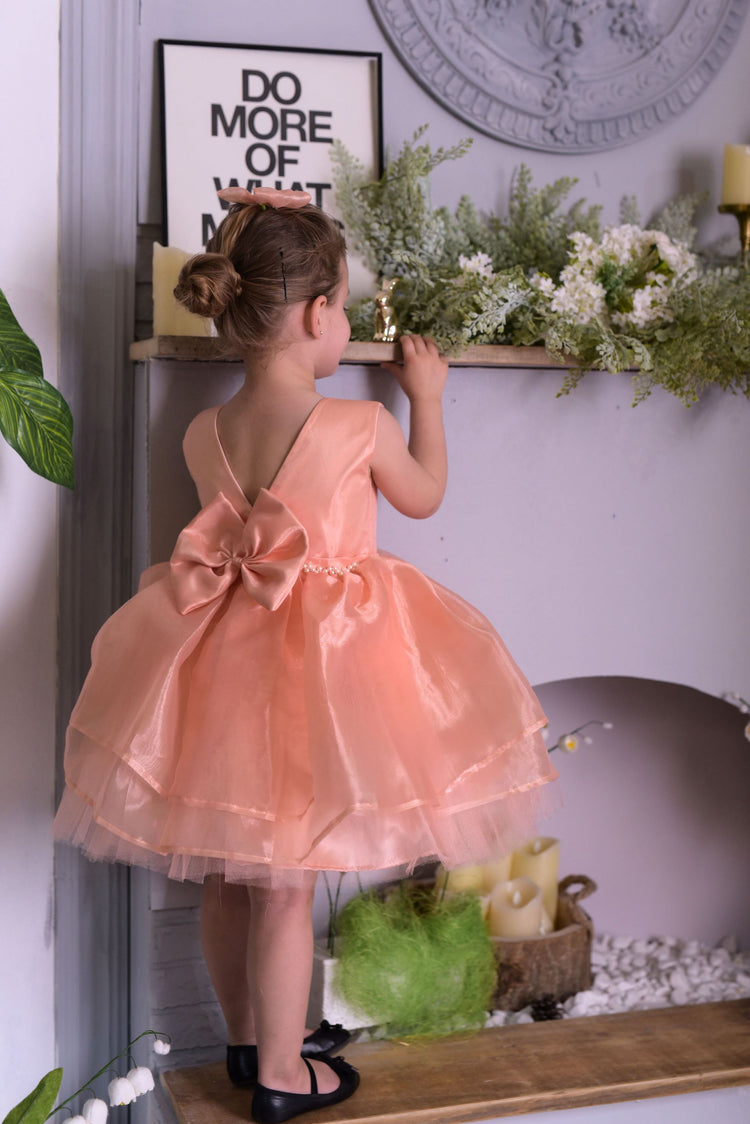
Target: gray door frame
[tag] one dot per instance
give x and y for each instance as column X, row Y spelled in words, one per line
column 98, row 190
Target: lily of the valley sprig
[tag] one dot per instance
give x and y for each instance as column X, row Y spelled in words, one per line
column 38, row 1105
column 742, row 705
column 572, row 741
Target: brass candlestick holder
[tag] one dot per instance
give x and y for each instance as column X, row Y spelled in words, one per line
column 742, row 211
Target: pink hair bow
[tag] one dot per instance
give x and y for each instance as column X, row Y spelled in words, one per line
column 265, row 551
column 265, row 196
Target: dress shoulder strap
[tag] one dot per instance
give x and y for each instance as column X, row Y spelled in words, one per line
column 205, row 462
column 198, row 441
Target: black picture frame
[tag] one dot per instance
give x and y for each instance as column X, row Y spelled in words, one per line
column 252, row 115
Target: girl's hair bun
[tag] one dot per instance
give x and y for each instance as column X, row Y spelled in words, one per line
column 208, row 285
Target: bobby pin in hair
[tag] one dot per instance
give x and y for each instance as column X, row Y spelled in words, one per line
column 283, row 274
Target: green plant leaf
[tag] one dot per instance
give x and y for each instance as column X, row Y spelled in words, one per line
column 35, row 1108
column 35, row 419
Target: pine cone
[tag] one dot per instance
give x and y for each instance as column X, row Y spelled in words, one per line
column 544, row 1008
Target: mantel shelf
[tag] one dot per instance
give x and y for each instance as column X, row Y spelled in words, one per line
column 206, row 349
column 514, row 1070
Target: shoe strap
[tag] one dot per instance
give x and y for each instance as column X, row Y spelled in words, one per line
column 313, row 1079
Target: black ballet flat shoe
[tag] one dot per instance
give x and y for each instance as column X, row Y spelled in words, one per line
column 242, row 1065
column 272, row 1106
column 327, row 1038
column 242, row 1061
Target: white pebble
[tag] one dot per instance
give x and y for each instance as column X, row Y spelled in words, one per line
column 678, row 979
column 645, row 974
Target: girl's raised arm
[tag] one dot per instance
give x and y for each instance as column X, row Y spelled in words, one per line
column 413, row 477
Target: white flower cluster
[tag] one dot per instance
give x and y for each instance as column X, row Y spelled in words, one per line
column 594, row 267
column 634, row 974
column 479, row 263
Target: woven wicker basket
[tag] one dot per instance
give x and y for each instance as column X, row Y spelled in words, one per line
column 554, row 966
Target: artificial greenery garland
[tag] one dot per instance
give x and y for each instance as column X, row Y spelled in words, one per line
column 626, row 298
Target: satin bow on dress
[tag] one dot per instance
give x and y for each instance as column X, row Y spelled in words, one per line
column 265, row 550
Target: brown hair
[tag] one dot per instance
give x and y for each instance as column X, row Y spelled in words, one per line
column 260, row 260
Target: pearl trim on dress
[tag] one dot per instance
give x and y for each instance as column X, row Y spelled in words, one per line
column 334, row 571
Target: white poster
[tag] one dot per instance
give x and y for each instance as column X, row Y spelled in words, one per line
column 252, row 116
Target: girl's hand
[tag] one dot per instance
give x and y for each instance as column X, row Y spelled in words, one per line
column 412, row 477
column 423, row 372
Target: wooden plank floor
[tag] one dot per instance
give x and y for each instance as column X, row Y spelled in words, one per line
column 513, row 1070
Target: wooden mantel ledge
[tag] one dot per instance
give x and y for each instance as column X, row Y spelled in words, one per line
column 206, row 349
column 510, row 1071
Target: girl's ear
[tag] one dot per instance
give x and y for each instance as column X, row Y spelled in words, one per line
column 314, row 315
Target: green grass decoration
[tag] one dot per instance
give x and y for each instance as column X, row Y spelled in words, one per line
column 415, row 964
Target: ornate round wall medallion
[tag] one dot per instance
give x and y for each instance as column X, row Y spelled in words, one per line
column 567, row 76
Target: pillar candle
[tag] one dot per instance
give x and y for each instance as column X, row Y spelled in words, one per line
column 170, row 318
column 539, row 860
column 735, row 186
column 462, row 878
column 494, row 872
column 515, row 909
column 483, row 878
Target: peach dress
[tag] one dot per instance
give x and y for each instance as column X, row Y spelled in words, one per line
column 281, row 696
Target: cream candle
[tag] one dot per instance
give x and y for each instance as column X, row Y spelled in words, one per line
column 481, row 879
column 515, row 909
column 461, row 879
column 735, row 185
column 539, row 860
column 494, row 872
column 170, row 318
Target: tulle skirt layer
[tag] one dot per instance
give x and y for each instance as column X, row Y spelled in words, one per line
column 375, row 719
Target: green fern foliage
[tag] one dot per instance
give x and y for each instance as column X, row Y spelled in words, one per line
column 535, row 232
column 391, row 221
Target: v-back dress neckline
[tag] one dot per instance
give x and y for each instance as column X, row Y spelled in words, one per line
column 279, row 471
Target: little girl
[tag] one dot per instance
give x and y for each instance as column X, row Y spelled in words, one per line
column 280, row 698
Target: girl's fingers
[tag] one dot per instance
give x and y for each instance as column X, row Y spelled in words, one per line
column 417, row 345
column 414, row 350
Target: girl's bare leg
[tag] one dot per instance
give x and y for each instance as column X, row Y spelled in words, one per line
column 279, row 970
column 225, row 931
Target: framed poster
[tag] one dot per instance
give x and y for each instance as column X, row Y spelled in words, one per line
column 251, row 116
